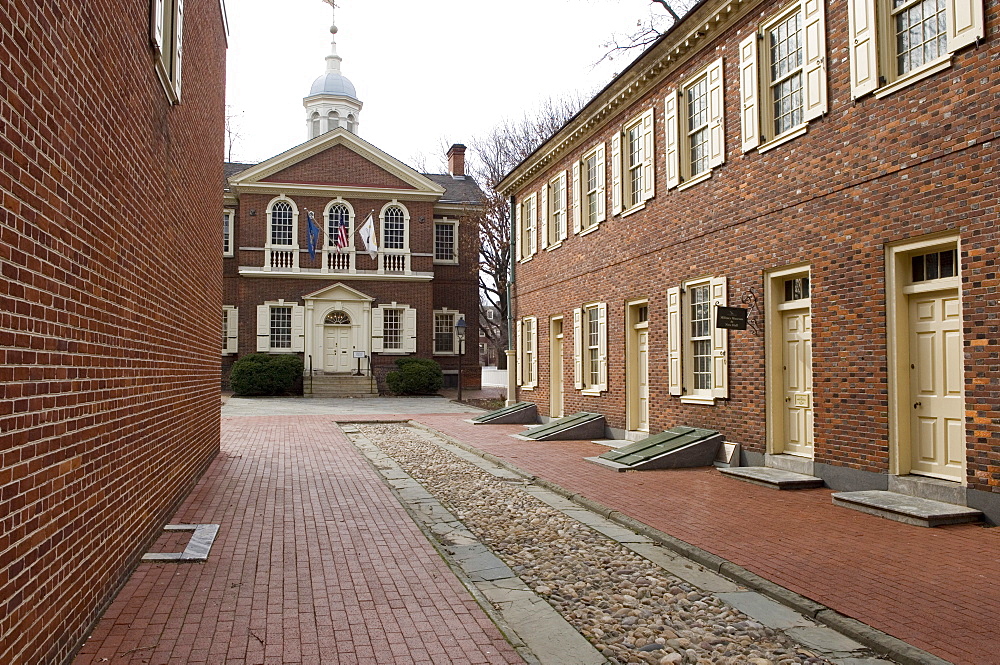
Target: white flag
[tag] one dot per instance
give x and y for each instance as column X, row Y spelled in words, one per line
column 367, row 232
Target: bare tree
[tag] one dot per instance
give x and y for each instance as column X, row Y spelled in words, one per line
column 663, row 14
column 495, row 154
column 233, row 133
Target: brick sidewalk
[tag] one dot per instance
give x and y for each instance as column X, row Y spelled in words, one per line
column 315, row 562
column 938, row 589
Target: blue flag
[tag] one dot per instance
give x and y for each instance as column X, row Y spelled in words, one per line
column 312, row 234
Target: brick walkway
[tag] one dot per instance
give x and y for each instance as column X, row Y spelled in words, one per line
column 315, row 562
column 938, row 589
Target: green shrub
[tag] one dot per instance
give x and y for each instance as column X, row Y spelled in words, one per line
column 263, row 374
column 415, row 376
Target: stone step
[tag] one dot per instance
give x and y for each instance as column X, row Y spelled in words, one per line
column 906, row 509
column 339, row 385
column 778, row 479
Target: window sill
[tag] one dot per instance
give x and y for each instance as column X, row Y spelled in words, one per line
column 701, row 177
column 525, row 260
column 442, row 262
column 555, row 245
column 531, row 387
column 795, row 132
column 592, row 392
column 930, row 68
column 632, row 210
column 393, row 353
column 227, row 255
column 697, row 399
column 589, row 229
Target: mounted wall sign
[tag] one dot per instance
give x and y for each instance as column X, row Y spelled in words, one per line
column 731, row 318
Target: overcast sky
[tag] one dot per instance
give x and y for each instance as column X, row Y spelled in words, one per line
column 440, row 71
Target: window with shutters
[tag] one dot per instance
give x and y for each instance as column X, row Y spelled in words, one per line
column 394, row 329
column 554, row 204
column 633, row 180
column 446, row 340
column 894, row 43
column 230, row 330
column 696, row 349
column 527, row 226
column 783, row 76
column 695, row 132
column 280, row 327
column 445, row 241
column 166, row 36
column 590, row 348
column 227, row 232
column 588, row 191
column 527, row 352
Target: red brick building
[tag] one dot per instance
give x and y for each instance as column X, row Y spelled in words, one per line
column 342, row 308
column 111, row 132
column 831, row 169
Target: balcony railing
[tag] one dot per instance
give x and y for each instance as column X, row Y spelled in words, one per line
column 394, row 262
column 332, row 262
column 281, row 259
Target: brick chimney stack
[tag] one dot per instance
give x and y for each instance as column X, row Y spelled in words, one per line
column 456, row 160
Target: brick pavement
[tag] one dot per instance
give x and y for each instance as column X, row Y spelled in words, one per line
column 938, row 589
column 315, row 562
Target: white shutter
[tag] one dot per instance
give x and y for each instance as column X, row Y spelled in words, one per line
column 602, row 353
column 672, row 148
column 232, row 330
column 533, row 324
column 263, row 328
column 178, row 48
column 156, row 25
column 578, row 348
column 544, row 210
column 601, row 183
column 616, row 173
column 749, row 104
column 862, row 47
column 716, row 115
column 648, row 157
column 533, row 216
column 562, row 205
column 674, row 342
column 577, row 199
column 520, row 352
column 966, row 23
column 720, row 342
column 378, row 330
column 814, row 72
column 298, row 328
column 409, row 330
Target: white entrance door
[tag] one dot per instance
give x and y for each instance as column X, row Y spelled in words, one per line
column 937, row 404
column 642, row 380
column 337, row 348
column 556, row 369
column 796, row 361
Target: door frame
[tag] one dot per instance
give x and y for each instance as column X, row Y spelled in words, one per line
column 560, row 376
column 898, row 290
column 631, row 362
column 774, row 379
column 320, row 303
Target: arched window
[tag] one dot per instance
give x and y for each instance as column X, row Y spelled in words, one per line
column 315, row 125
column 351, row 123
column 281, row 223
column 333, row 121
column 337, row 317
column 393, row 228
column 338, row 226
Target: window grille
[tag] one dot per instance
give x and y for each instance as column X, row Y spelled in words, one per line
column 281, row 327
column 281, row 224
column 393, row 228
column 392, row 330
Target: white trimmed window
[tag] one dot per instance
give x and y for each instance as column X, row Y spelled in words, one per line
column 230, row 329
column 445, row 241
column 633, row 180
column 395, row 221
column 527, row 220
column 696, row 349
column 339, row 223
column 166, row 35
column 588, row 191
column 282, row 223
column 554, row 212
column 590, row 348
column 783, row 76
column 445, row 333
column 527, row 352
column 394, row 329
column 893, row 43
column 280, row 327
column 228, row 232
column 695, row 128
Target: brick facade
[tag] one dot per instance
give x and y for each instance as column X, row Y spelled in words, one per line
column 109, row 404
column 868, row 173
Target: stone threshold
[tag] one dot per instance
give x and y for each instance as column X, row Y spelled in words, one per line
column 906, row 509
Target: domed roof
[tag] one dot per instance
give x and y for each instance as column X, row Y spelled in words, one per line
column 333, row 83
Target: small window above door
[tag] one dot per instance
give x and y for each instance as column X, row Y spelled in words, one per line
column 796, row 288
column 337, row 318
column 935, row 265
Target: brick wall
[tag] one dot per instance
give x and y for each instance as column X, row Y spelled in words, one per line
column 109, row 303
column 920, row 161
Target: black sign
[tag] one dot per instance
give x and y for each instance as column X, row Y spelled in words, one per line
column 731, row 318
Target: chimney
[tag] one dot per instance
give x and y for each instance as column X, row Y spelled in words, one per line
column 456, row 161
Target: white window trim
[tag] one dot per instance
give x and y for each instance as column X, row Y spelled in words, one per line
column 871, row 51
column 456, row 317
column 406, row 227
column 581, row 369
column 675, row 133
column 232, row 330
column 229, row 222
column 295, row 223
column 264, row 327
column 527, row 323
column 166, row 36
column 644, row 121
column 549, row 215
column 679, row 348
column 407, row 331
column 329, row 242
column 455, row 225
column 528, row 227
column 580, row 208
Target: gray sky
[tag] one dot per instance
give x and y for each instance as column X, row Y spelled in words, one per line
column 428, row 72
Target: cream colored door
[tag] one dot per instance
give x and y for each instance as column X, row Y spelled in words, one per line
column 337, row 347
column 796, row 361
column 937, row 403
column 556, row 370
column 642, row 380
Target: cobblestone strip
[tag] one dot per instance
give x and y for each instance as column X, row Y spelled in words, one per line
column 600, row 576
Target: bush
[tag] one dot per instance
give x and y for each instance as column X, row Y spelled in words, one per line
column 263, row 374
column 415, row 376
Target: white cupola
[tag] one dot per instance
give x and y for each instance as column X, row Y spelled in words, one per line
column 332, row 101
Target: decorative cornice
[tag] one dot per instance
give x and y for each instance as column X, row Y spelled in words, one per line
column 333, row 191
column 369, row 275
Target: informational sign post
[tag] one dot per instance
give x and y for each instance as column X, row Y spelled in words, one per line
column 731, row 318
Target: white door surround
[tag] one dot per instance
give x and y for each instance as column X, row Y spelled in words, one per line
column 637, row 365
column 556, row 383
column 337, row 323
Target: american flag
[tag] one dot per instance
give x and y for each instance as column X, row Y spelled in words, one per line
column 342, row 238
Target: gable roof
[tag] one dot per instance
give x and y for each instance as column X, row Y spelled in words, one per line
column 457, row 190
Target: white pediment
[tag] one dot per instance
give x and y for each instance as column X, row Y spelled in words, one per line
column 338, row 291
